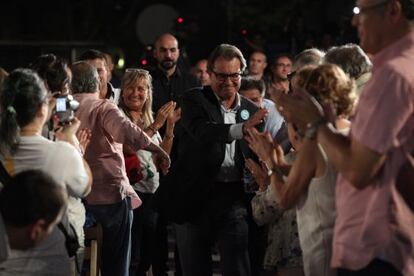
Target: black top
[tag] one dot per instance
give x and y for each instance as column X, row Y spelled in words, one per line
column 165, row 90
column 172, row 89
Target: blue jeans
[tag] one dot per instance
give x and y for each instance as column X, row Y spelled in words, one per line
column 116, row 221
column 229, row 229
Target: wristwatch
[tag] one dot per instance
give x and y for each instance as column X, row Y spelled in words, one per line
column 312, row 128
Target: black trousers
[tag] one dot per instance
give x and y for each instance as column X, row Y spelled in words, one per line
column 375, row 267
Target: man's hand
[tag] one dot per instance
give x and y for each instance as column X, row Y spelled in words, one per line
column 256, row 119
column 162, row 160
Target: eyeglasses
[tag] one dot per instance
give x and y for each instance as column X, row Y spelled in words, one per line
column 223, row 77
column 360, row 10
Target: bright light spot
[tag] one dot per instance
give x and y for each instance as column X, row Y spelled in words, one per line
column 121, row 63
column 180, row 20
column 356, row 10
column 144, row 62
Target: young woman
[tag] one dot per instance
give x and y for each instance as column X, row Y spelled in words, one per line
column 24, row 107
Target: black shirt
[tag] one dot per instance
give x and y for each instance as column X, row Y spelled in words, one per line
column 172, row 89
column 165, row 90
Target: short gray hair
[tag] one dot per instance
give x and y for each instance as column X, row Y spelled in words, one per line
column 85, row 78
column 227, row 52
column 312, row 56
column 351, row 58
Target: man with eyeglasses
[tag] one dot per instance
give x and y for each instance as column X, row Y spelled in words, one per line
column 373, row 233
column 281, row 67
column 209, row 196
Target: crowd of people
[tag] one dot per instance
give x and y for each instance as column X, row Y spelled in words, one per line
column 306, row 168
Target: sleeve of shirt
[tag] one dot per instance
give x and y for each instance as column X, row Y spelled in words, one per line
column 123, row 130
column 384, row 112
column 75, row 175
column 273, row 121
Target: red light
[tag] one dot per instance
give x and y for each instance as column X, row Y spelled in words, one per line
column 144, row 62
column 244, row 32
column 180, row 20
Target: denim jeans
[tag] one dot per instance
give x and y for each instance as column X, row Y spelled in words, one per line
column 116, row 221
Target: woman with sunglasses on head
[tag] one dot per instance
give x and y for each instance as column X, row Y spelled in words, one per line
column 136, row 103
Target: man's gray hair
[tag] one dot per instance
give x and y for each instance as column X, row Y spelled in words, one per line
column 312, row 56
column 351, row 58
column 85, row 78
column 228, row 52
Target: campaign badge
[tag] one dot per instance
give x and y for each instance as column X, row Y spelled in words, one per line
column 244, row 114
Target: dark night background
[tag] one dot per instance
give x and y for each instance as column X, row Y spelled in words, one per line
column 66, row 28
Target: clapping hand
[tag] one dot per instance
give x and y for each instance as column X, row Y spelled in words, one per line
column 163, row 113
column 261, row 144
column 174, row 116
column 84, row 137
column 259, row 174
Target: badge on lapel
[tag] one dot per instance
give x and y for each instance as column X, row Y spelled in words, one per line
column 244, row 114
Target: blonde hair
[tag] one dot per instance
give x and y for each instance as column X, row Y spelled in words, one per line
column 131, row 76
column 328, row 83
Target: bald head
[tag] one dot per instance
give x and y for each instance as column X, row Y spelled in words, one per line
column 85, row 78
column 166, row 52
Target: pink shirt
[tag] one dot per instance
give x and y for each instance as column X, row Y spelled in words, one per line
column 110, row 130
column 366, row 226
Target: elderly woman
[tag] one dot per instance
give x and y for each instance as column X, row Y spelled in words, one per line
column 136, row 103
column 310, row 185
column 24, row 107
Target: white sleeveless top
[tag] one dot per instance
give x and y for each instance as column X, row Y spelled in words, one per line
column 316, row 217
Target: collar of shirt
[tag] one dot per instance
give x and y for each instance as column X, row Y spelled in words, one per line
column 234, row 109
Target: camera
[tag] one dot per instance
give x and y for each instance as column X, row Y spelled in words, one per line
column 65, row 108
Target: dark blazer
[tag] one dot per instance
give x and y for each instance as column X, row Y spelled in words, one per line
column 207, row 134
column 201, row 153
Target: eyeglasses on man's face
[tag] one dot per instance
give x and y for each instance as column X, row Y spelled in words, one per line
column 357, row 10
column 223, row 77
